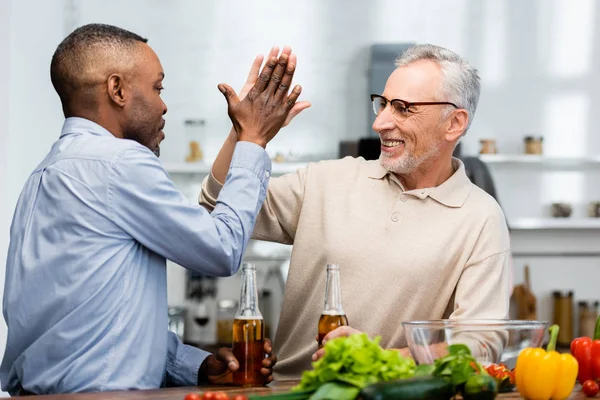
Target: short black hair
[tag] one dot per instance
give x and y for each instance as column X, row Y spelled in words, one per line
column 82, row 50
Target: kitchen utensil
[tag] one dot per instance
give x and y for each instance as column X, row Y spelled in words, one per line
column 524, row 299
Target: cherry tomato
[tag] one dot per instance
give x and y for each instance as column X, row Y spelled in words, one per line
column 209, row 396
column 192, row 396
column 239, row 397
column 221, row 396
column 590, row 388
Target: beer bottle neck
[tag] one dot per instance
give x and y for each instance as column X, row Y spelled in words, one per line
column 249, row 294
column 333, row 295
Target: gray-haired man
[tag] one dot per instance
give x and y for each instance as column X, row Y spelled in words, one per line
column 414, row 238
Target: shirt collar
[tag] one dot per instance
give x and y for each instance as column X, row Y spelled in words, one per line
column 76, row 125
column 452, row 193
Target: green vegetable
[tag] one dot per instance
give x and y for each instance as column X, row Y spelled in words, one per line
column 480, row 387
column 335, row 391
column 358, row 361
column 458, row 366
column 419, row 387
column 424, row 369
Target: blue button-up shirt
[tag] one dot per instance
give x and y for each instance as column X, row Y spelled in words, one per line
column 85, row 296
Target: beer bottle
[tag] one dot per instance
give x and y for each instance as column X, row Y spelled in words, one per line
column 333, row 315
column 248, row 332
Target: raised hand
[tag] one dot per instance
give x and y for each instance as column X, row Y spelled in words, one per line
column 253, row 76
column 261, row 114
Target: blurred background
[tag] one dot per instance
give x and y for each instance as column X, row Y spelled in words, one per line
column 534, row 133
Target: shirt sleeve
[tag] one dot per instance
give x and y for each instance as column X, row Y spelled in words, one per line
column 278, row 218
column 483, row 290
column 145, row 204
column 183, row 362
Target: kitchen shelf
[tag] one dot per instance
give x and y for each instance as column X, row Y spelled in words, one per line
column 540, row 160
column 554, row 223
column 203, row 168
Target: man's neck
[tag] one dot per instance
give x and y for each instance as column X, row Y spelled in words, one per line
column 427, row 176
column 99, row 117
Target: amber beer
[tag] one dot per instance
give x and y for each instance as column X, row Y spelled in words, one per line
column 328, row 323
column 333, row 315
column 248, row 333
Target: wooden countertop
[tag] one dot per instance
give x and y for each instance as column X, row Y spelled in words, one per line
column 180, row 393
column 172, row 393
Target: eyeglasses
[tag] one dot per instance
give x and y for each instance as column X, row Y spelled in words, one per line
column 400, row 108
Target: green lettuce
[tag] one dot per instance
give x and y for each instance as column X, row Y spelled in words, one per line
column 358, row 361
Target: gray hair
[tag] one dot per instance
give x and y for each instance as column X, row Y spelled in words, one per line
column 460, row 84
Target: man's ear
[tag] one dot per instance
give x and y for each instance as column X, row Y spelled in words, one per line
column 457, row 124
column 116, row 89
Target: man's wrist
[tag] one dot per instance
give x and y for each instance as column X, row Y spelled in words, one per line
column 203, row 372
column 244, row 138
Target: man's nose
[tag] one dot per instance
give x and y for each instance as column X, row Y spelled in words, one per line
column 384, row 120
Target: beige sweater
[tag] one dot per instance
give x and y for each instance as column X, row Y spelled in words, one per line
column 403, row 255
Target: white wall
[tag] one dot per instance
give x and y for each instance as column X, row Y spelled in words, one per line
column 536, row 60
column 4, row 150
column 30, row 113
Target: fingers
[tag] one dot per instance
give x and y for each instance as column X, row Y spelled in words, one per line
column 277, row 74
column 226, row 357
column 255, row 69
column 291, row 99
column 340, row 332
column 264, row 77
column 284, row 86
column 275, row 51
column 229, row 93
column 286, row 50
column 268, row 347
column 297, row 109
column 318, row 355
column 270, row 72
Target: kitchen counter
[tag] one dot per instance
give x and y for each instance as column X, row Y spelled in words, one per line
column 172, row 393
column 179, row 393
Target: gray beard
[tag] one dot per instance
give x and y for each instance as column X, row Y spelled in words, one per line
column 408, row 163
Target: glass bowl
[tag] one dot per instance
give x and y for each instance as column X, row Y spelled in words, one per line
column 491, row 341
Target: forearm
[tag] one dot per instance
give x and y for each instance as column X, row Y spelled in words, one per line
column 183, row 363
column 223, row 161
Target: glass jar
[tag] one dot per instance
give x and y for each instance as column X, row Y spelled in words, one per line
column 226, row 310
column 533, row 145
column 488, row 146
column 177, row 317
column 194, row 132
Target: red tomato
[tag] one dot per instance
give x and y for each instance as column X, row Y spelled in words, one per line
column 209, row 396
column 239, row 397
column 192, row 396
column 590, row 388
column 221, row 396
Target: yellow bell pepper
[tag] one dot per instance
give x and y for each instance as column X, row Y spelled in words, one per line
column 544, row 375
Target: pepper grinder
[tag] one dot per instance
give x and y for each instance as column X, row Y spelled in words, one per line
column 563, row 317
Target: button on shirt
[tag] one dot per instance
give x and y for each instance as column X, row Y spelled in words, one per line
column 85, row 296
